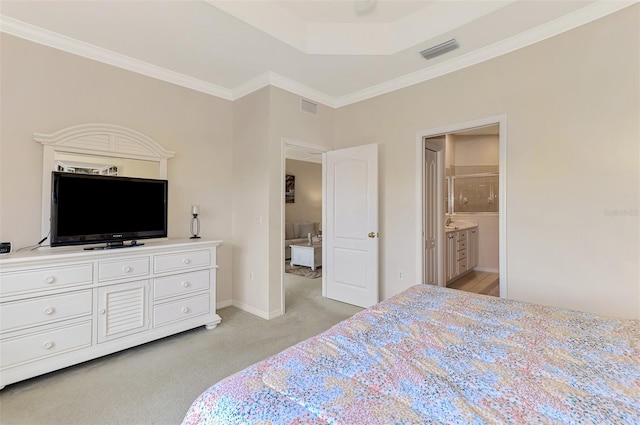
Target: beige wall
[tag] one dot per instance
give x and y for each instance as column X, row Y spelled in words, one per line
column 288, row 122
column 45, row 90
column 251, row 203
column 262, row 120
column 573, row 158
column 474, row 150
column 308, row 199
column 572, row 105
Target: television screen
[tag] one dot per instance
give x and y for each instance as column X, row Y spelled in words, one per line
column 94, row 208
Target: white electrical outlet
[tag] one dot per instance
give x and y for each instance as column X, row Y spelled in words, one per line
column 259, row 220
column 251, row 276
column 400, row 275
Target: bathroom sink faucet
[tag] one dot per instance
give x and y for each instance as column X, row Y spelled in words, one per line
column 449, row 221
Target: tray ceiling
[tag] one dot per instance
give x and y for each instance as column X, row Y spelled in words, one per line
column 331, row 51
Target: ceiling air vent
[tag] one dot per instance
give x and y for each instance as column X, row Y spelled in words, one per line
column 308, row 107
column 440, row 49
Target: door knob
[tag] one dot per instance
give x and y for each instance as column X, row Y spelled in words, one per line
column 373, row 235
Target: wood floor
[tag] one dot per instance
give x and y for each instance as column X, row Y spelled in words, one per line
column 479, row 283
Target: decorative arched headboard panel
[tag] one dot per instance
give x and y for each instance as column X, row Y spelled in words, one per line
column 96, row 144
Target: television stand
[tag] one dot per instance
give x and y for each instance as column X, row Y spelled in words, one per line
column 115, row 245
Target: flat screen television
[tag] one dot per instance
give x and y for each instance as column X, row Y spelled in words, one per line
column 93, row 209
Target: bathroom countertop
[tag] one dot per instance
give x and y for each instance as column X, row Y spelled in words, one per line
column 459, row 225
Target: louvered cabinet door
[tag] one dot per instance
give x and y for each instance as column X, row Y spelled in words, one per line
column 123, row 309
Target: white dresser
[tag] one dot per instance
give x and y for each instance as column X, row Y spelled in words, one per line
column 63, row 306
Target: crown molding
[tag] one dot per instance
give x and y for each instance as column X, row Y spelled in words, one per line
column 276, row 80
column 250, row 86
column 70, row 45
column 590, row 13
column 596, row 10
column 309, row 93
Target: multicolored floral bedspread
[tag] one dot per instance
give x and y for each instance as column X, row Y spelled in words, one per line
column 434, row 355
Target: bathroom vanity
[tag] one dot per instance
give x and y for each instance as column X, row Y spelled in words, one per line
column 461, row 253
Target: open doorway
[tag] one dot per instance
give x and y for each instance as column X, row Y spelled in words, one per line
column 462, row 191
column 302, row 217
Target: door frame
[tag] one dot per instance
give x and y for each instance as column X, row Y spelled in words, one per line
column 421, row 144
column 283, row 171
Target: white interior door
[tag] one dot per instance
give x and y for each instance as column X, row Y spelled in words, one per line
column 431, row 219
column 351, row 225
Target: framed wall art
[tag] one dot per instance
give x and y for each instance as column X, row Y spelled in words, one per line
column 290, row 189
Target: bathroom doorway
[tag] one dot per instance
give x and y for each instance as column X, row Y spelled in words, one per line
column 462, row 189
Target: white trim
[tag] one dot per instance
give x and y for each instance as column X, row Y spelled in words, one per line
column 223, row 304
column 283, row 170
column 590, row 13
column 276, row 80
column 594, row 11
column 366, row 37
column 502, row 205
column 70, row 45
column 501, row 120
column 255, row 311
column 292, row 86
column 250, row 86
column 487, row 269
column 304, row 145
column 62, row 138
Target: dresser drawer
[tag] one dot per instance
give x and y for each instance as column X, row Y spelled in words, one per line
column 461, row 245
column 47, row 278
column 176, row 311
column 462, row 235
column 44, row 344
column 462, row 254
column 37, row 311
column 120, row 269
column 181, row 261
column 180, row 284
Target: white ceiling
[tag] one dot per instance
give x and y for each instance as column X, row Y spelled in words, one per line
column 332, row 51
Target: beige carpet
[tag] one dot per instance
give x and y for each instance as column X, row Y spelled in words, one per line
column 156, row 383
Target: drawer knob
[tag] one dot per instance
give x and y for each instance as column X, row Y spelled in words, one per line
column 185, row 309
column 126, row 269
column 48, row 311
column 48, row 345
column 186, row 261
column 185, row 284
column 49, row 279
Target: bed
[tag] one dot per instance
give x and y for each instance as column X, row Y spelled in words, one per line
column 434, row 355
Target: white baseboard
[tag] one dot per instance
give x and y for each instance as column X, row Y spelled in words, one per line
column 487, row 269
column 255, row 311
column 223, row 304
